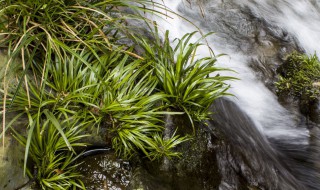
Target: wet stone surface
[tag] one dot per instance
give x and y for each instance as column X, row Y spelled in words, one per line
column 11, row 164
column 105, row 172
column 197, row 169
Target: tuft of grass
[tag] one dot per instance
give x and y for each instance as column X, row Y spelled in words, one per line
column 191, row 83
column 50, row 145
column 163, row 147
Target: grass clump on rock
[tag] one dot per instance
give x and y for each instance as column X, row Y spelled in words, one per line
column 75, row 74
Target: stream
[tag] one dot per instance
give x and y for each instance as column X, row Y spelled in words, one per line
column 256, row 35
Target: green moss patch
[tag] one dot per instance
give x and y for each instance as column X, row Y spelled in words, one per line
column 299, row 76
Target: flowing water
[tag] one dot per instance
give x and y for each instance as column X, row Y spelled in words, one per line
column 255, row 35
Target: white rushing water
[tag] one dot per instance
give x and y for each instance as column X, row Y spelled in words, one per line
column 299, row 18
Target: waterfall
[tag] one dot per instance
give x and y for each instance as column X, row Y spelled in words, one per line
column 251, row 94
column 254, row 34
column 300, row 18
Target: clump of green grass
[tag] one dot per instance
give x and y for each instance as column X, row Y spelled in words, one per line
column 50, row 143
column 299, row 76
column 191, row 83
column 58, row 113
column 164, row 147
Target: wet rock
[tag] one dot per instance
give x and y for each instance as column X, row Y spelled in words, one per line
column 299, row 86
column 104, row 171
column 97, row 137
column 312, row 110
column 226, row 155
column 142, row 180
column 197, row 169
column 244, row 149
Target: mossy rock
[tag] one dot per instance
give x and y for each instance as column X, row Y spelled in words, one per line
column 299, row 81
column 299, row 76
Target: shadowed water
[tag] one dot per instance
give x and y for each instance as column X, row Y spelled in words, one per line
column 253, row 157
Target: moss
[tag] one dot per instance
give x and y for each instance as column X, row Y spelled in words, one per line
column 299, row 77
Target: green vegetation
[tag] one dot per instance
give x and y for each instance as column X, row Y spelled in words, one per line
column 76, row 74
column 299, row 76
column 192, row 84
column 47, row 142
